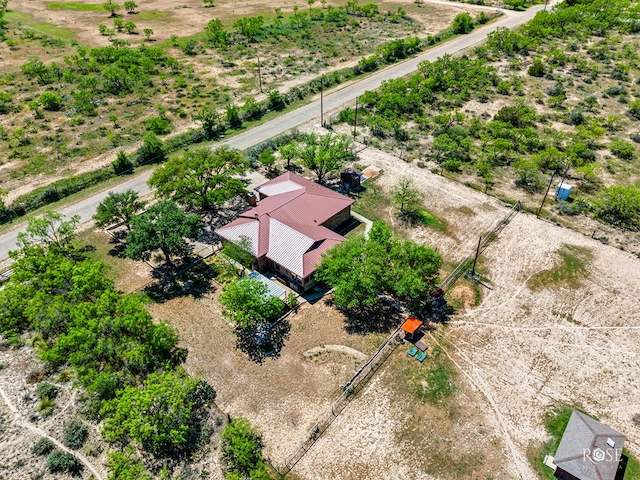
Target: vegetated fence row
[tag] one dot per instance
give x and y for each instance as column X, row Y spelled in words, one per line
column 366, row 372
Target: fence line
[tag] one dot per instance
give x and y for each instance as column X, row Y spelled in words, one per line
column 366, row 372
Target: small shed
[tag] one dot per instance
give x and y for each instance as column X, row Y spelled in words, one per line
column 563, row 190
column 588, row 450
column 274, row 289
column 350, row 178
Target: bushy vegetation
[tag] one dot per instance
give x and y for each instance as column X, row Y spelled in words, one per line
column 242, row 451
column 361, row 269
column 128, row 364
column 247, row 302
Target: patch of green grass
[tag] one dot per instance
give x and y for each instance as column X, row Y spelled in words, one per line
column 439, row 379
column 372, row 201
column 151, row 15
column 81, row 7
column 42, row 28
column 570, row 271
column 428, row 219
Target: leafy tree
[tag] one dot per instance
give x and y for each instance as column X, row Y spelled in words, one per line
column 361, row 269
column 35, row 68
column 622, row 149
column 240, row 253
column 211, row 123
column 130, row 27
column 249, row 27
column 165, row 416
column 130, row 6
column 527, row 175
column 51, row 231
column 537, row 68
column 163, row 227
column 267, row 158
column 50, row 101
column 248, row 302
column 326, row 154
column 620, row 206
column 124, row 466
column 233, row 116
column 111, row 7
column 215, row 33
column 406, row 196
column 158, row 125
column 118, row 24
column 147, row 33
column 151, row 150
column 202, row 178
column 122, row 164
column 118, row 207
column 288, row 151
column 242, row 450
column 462, row 23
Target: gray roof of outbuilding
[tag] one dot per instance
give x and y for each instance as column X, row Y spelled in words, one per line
column 583, row 451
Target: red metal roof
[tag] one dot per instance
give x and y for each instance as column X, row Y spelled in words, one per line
column 299, row 214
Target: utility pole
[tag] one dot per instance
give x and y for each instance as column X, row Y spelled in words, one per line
column 259, row 73
column 473, row 268
column 355, row 120
column 321, row 102
column 545, row 194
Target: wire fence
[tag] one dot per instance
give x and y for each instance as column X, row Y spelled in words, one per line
column 349, row 392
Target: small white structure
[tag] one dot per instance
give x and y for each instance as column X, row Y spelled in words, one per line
column 563, row 190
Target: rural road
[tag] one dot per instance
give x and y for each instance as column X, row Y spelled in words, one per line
column 334, row 98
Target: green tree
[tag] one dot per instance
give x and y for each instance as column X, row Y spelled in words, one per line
column 361, row 269
column 122, row 164
column 130, row 27
column 462, row 23
column 123, row 466
column 249, row 27
column 151, row 150
column 242, row 450
column 240, row 254
column 233, row 116
column 165, row 416
column 202, row 178
column 210, row 120
column 130, row 6
column 163, row 227
column 51, row 231
column 215, row 33
column 326, row 154
column 406, row 196
column 267, row 158
column 35, row 68
column 50, row 101
column 247, row 302
column 622, row 149
column 537, row 68
column 111, row 7
column 118, row 207
column 147, row 33
column 620, row 206
column 288, row 151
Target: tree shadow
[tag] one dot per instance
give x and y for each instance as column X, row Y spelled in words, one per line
column 264, row 341
column 194, row 281
column 378, row 318
column 437, row 312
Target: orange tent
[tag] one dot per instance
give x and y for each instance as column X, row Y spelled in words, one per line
column 411, row 325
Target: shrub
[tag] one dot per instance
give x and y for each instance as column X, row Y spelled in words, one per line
column 158, row 125
column 50, row 101
column 634, row 109
column 58, row 462
column 462, row 23
column 122, row 164
column 620, row 206
column 46, row 407
column 42, row 447
column 75, row 434
column 622, row 149
column 46, row 390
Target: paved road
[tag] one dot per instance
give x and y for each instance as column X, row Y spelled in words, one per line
column 339, row 96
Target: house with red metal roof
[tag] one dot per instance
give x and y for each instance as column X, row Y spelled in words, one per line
column 290, row 227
